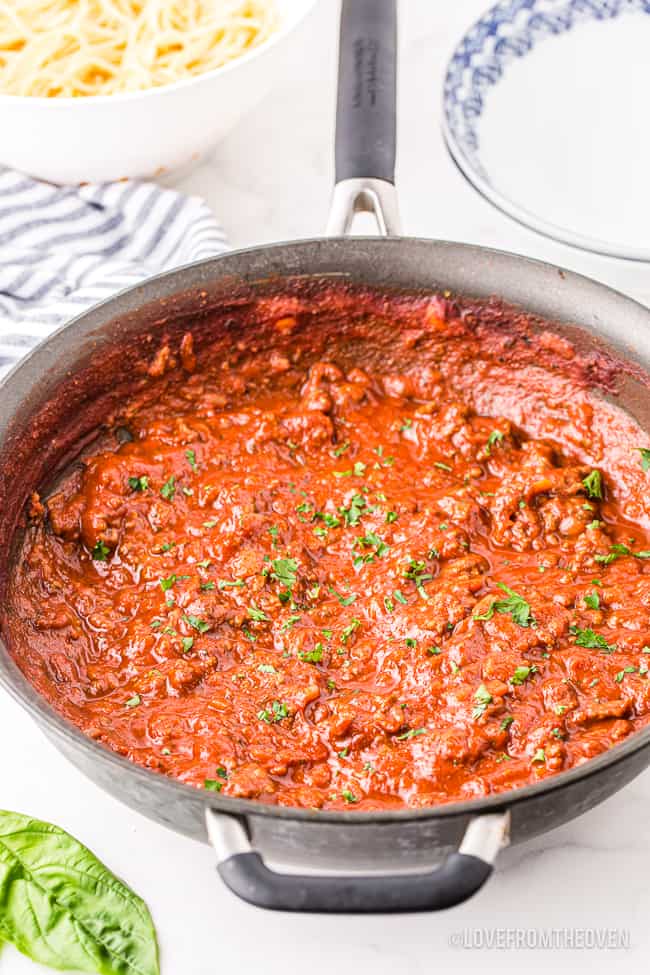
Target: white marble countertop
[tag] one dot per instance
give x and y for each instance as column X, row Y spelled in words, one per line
column 270, row 180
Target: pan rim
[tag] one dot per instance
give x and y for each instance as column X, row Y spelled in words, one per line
column 14, row 682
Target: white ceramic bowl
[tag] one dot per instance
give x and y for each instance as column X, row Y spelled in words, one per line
column 142, row 134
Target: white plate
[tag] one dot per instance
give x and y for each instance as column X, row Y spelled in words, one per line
column 546, row 113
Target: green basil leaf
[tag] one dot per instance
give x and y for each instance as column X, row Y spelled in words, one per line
column 61, row 907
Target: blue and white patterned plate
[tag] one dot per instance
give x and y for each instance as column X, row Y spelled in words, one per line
column 546, row 113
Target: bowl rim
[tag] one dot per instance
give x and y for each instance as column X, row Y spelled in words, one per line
column 289, row 22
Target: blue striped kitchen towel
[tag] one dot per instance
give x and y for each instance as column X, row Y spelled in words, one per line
column 63, row 249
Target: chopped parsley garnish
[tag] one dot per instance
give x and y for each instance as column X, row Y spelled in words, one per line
column 257, row 614
column 187, row 643
column 341, row 449
column 285, row 572
column 400, row 597
column 343, row 600
column 207, row 586
column 288, row 623
column 515, row 605
column 389, row 604
column 592, row 640
column 621, row 674
column 411, row 733
column 211, row 524
column 539, row 756
column 616, row 551
column 212, row 785
column 168, row 546
column 100, row 551
column 645, row 458
column 375, row 543
column 391, row 516
column 330, row 520
column 196, row 623
column 267, row 669
column 592, row 600
column 167, row 583
column 312, row 656
column 348, row 630
column 507, row 721
column 495, row 437
column 273, row 532
column 133, row 701
column 443, row 467
column 349, row 796
column 593, row 484
column 358, row 470
column 277, row 713
column 191, row 460
column 230, row 584
column 139, row 483
column 434, row 651
column 168, row 489
column 411, row 642
column 356, row 509
column 522, row 673
column 482, row 697
column 406, row 424
column 417, row 574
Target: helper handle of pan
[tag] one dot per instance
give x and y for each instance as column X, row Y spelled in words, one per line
column 463, row 872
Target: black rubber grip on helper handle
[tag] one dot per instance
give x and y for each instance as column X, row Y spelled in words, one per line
column 365, row 112
column 454, row 881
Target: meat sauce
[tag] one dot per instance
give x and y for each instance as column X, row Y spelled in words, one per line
column 327, row 582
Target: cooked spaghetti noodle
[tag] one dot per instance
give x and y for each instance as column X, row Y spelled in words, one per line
column 70, row 48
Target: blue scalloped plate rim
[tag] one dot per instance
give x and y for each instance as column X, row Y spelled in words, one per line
column 507, row 31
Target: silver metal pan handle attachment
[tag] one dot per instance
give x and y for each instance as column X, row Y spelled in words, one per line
column 365, row 117
column 458, row 877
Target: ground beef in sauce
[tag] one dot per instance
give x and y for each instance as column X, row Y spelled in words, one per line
column 337, row 588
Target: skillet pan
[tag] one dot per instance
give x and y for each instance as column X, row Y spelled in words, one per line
column 53, row 401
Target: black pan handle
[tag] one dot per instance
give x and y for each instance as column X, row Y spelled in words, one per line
column 365, row 116
column 461, row 875
column 365, row 111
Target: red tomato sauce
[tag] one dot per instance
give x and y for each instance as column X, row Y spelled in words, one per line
column 348, row 581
